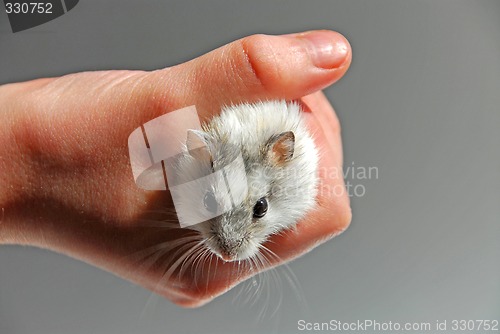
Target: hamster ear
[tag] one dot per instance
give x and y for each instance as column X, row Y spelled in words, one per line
column 197, row 145
column 281, row 147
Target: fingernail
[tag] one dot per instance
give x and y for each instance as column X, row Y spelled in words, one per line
column 327, row 49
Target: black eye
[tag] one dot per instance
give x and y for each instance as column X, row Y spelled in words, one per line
column 210, row 202
column 260, row 208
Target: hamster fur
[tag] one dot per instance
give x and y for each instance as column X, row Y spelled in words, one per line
column 280, row 162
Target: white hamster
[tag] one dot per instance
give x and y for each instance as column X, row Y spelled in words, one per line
column 280, row 162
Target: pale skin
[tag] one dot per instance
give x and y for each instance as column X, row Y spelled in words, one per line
column 66, row 181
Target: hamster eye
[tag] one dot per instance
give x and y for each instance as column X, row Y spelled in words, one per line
column 260, row 208
column 210, row 202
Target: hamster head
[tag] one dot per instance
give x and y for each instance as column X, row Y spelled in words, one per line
column 251, row 188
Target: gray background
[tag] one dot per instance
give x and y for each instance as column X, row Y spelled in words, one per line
column 421, row 103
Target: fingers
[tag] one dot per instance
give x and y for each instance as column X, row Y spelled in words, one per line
column 333, row 194
column 258, row 67
column 328, row 122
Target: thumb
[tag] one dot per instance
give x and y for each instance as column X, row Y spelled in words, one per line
column 256, row 67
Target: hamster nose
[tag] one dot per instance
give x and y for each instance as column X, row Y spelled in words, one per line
column 227, row 257
column 229, row 249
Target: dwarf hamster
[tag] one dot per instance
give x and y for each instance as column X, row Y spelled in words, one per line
column 278, row 184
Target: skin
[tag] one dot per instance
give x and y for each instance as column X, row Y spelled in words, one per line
column 66, row 182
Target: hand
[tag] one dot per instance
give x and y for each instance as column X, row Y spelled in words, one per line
column 66, row 178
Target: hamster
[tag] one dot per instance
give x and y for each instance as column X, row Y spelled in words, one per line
column 276, row 175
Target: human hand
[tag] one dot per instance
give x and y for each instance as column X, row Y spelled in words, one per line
column 66, row 178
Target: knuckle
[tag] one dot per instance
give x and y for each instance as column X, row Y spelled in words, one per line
column 155, row 93
column 260, row 61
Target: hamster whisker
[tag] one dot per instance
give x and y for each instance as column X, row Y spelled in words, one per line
column 256, row 282
column 153, row 259
column 211, row 257
column 197, row 261
column 189, row 261
column 245, row 289
column 257, row 259
column 290, row 277
column 238, row 271
column 168, row 223
column 186, row 251
column 267, row 283
column 163, row 246
column 216, row 265
column 166, row 276
column 204, row 259
column 165, row 210
column 275, row 279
